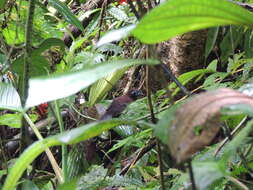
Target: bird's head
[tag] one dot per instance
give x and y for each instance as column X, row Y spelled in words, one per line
column 135, row 94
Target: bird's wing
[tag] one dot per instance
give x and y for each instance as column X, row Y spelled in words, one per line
column 117, row 107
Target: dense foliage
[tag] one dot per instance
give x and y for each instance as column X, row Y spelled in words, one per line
column 61, row 64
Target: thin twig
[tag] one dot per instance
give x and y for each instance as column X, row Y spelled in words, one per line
column 133, row 9
column 142, row 9
column 50, row 156
column 248, row 150
column 153, row 119
column 139, row 155
column 191, row 175
column 227, row 132
column 159, row 156
column 78, row 112
column 171, row 76
column 107, row 156
column 244, row 162
column 232, row 133
column 28, row 51
column 237, row 182
column 101, row 18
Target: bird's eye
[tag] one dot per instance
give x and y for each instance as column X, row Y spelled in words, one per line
column 136, row 93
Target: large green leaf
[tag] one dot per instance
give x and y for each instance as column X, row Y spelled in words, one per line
column 101, row 87
column 115, row 35
column 66, row 12
column 70, row 137
column 9, row 97
column 44, row 89
column 176, row 17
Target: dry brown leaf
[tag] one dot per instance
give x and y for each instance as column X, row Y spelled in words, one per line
column 198, row 121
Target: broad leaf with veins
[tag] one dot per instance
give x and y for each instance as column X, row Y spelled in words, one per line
column 198, row 121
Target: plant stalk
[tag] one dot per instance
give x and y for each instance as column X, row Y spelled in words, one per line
column 63, row 147
column 50, row 155
column 25, row 138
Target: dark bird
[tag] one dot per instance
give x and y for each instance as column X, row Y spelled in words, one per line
column 120, row 103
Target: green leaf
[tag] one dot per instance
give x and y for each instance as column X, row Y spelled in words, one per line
column 101, row 87
column 121, row 143
column 206, row 173
column 9, row 97
column 2, row 4
column 118, row 14
column 187, row 77
column 248, row 43
column 110, row 47
column 48, row 43
column 161, row 130
column 72, row 185
column 40, row 65
column 230, row 42
column 2, row 58
column 230, row 148
column 27, row 184
column 238, row 109
column 176, row 17
column 214, row 79
column 235, row 63
column 115, row 35
column 124, row 130
column 137, row 140
column 44, row 89
column 70, row 137
column 77, row 163
column 96, row 179
column 212, row 36
column 213, row 65
column 3, row 172
column 65, row 11
column 14, row 119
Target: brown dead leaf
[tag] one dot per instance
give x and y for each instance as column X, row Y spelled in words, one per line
column 197, row 122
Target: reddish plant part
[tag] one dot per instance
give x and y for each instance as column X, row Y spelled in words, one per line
column 42, row 110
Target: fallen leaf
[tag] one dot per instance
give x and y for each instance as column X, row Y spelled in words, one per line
column 198, row 121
